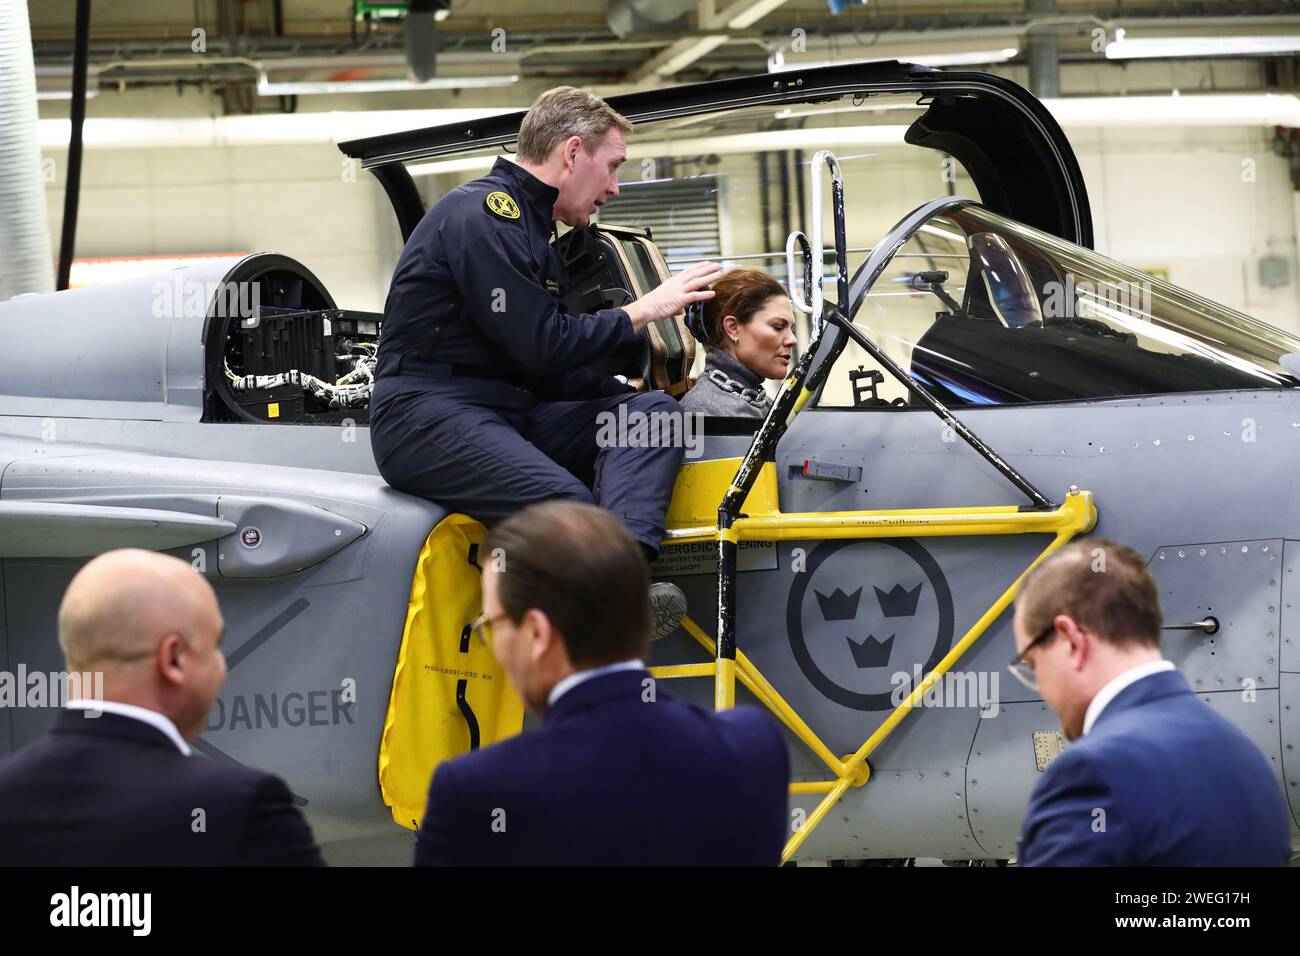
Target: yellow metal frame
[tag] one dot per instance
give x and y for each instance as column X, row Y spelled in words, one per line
column 763, row 521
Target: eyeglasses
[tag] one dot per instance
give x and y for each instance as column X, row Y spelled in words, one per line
column 481, row 626
column 1020, row 666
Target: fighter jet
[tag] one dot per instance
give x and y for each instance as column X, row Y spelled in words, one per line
column 975, row 387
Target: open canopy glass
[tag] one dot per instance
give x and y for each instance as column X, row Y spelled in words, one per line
column 983, row 310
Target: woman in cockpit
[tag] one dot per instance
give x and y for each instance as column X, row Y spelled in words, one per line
column 748, row 331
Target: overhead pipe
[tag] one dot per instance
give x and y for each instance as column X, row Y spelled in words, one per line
column 637, row 16
column 1043, row 52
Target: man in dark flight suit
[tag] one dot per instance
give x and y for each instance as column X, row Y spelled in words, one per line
column 481, row 401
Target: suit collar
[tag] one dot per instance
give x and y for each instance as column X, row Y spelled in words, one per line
column 79, row 722
column 1152, row 687
column 628, row 685
column 562, row 687
column 542, row 195
column 153, row 718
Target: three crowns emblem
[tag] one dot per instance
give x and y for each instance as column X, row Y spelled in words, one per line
column 896, row 602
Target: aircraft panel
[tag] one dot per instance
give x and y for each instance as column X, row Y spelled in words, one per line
column 825, row 657
column 34, row 589
column 6, row 713
column 1290, row 726
column 1147, row 461
column 1258, row 715
column 1289, row 657
column 311, row 653
column 332, row 449
column 903, row 813
column 1238, row 583
column 1004, row 769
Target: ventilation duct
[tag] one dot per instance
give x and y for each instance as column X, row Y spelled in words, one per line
column 26, row 263
column 645, row 16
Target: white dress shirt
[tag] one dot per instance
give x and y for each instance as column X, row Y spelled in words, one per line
column 567, row 684
column 151, row 717
column 1109, row 692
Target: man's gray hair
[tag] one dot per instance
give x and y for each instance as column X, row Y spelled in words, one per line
column 563, row 112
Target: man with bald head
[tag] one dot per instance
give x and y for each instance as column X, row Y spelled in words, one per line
column 114, row 782
column 1153, row 776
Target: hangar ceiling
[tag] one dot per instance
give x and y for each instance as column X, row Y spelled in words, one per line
column 267, row 55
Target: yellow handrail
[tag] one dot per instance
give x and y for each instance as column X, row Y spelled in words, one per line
column 1075, row 516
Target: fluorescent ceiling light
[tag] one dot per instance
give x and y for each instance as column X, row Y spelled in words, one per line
column 465, row 164
column 1266, row 109
column 867, row 106
column 777, row 62
column 392, row 85
column 91, row 93
column 262, row 129
column 1123, row 48
column 768, row 140
column 1074, row 113
column 282, row 129
column 963, row 58
column 65, row 73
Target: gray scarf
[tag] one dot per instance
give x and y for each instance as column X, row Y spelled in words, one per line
column 731, row 375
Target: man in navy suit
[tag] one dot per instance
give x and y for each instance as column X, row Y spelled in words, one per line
column 1153, row 776
column 113, row 783
column 621, row 773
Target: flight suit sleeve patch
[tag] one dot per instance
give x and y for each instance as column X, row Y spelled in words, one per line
column 502, row 205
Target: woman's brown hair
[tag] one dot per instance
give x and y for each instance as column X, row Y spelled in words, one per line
column 742, row 293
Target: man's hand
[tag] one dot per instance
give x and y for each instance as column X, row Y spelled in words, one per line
column 674, row 295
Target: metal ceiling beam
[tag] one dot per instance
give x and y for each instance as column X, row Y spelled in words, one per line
column 745, row 13
column 560, row 51
column 714, row 26
column 677, row 57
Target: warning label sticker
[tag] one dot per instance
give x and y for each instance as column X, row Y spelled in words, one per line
column 701, row 557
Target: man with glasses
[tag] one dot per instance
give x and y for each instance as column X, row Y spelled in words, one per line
column 1153, row 776
column 621, row 773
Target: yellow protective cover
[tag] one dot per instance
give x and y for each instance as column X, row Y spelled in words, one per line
column 424, row 725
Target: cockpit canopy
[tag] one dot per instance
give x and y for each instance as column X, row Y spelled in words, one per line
column 984, row 310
